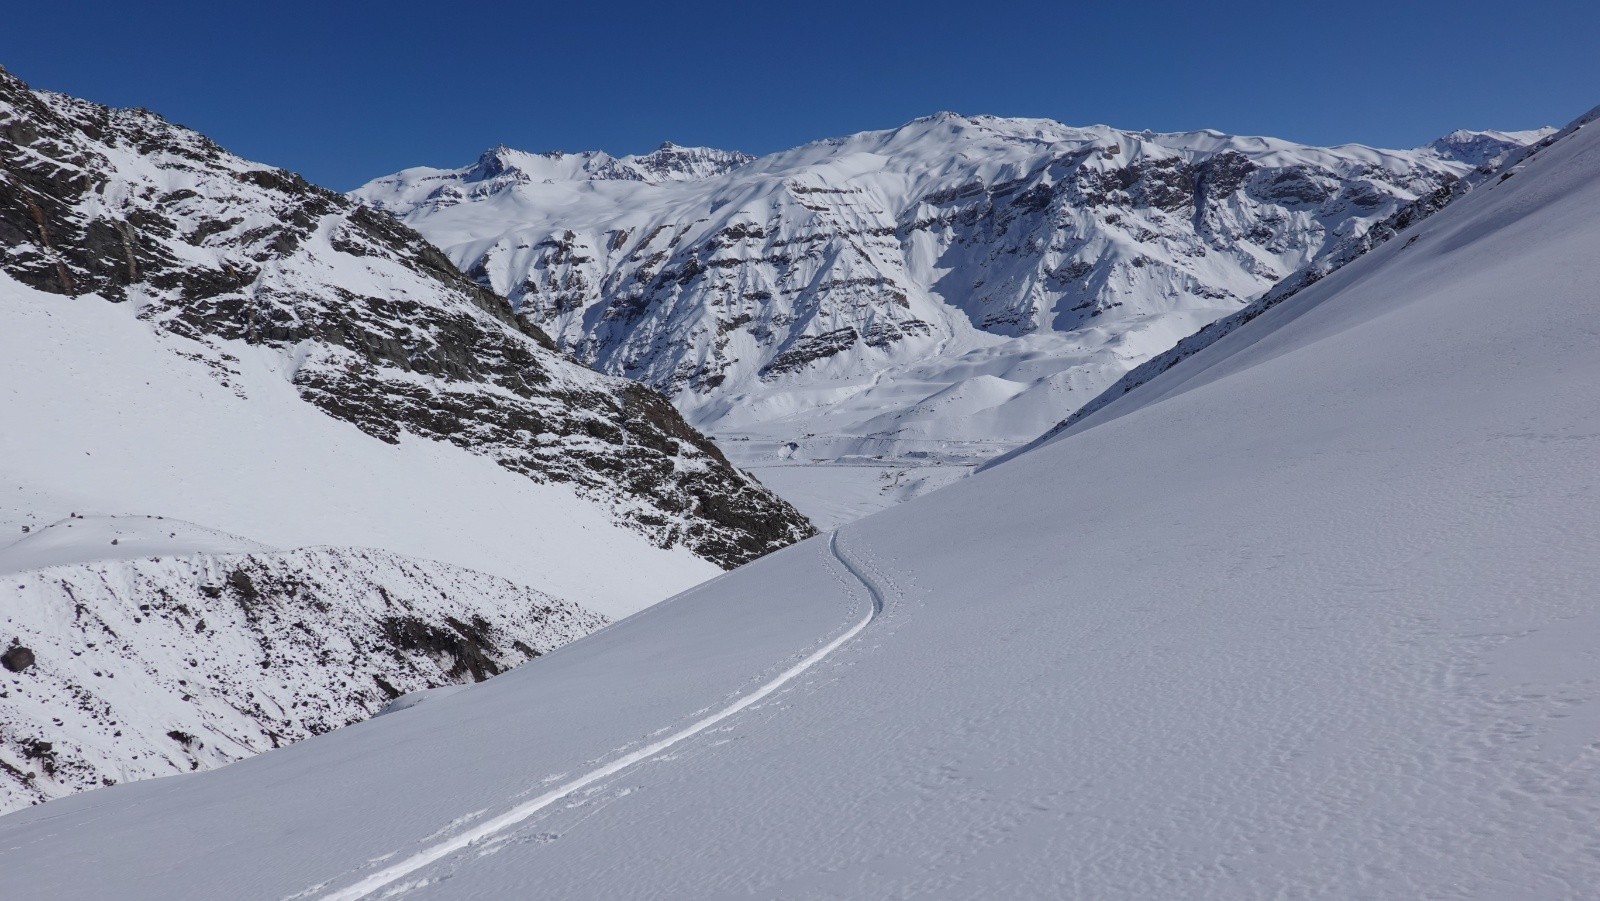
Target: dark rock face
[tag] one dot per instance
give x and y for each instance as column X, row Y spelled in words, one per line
column 17, row 659
column 386, row 333
column 1291, row 188
column 469, row 644
column 807, row 348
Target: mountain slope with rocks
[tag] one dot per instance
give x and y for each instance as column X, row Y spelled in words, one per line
column 372, row 324
column 936, row 293
column 153, row 665
column 1500, row 167
column 358, row 473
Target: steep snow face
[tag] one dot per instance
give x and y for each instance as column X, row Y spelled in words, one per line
column 364, row 318
column 1309, row 613
column 942, row 291
column 166, row 664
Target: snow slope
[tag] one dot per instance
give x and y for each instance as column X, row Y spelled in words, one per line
column 83, row 539
column 122, row 454
column 935, row 293
column 1311, row 613
column 137, row 428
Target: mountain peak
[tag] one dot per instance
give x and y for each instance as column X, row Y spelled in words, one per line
column 1484, row 149
column 491, row 162
column 668, row 162
column 675, row 162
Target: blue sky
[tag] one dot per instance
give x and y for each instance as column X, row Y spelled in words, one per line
column 343, row 92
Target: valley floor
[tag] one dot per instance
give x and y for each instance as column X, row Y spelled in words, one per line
column 832, row 494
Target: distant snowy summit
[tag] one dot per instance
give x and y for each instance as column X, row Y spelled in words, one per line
column 945, row 290
column 502, row 167
column 1487, row 149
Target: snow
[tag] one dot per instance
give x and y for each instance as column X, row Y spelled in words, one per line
column 270, row 460
column 82, row 539
column 832, row 492
column 1309, row 614
column 996, row 273
column 490, row 829
column 134, row 430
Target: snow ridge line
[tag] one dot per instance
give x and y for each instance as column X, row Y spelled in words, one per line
column 524, row 811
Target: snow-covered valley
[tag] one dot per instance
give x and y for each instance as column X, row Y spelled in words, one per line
column 1304, row 609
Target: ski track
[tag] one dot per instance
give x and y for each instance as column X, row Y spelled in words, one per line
column 523, row 812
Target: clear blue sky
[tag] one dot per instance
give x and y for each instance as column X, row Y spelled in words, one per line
column 344, row 91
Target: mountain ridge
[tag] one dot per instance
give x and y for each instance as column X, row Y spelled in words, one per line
column 942, row 291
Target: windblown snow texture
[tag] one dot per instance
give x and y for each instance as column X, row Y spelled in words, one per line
column 1309, row 613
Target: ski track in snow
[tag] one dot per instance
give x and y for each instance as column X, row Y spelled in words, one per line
column 522, row 812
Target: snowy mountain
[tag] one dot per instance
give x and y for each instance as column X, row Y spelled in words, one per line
column 1341, row 254
column 935, row 293
column 327, row 406
column 1486, row 149
column 1308, row 613
column 366, row 320
column 501, row 167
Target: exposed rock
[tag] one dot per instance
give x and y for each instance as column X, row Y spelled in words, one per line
column 1336, row 257
column 17, row 658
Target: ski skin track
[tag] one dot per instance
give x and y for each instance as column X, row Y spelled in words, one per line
column 523, row 812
